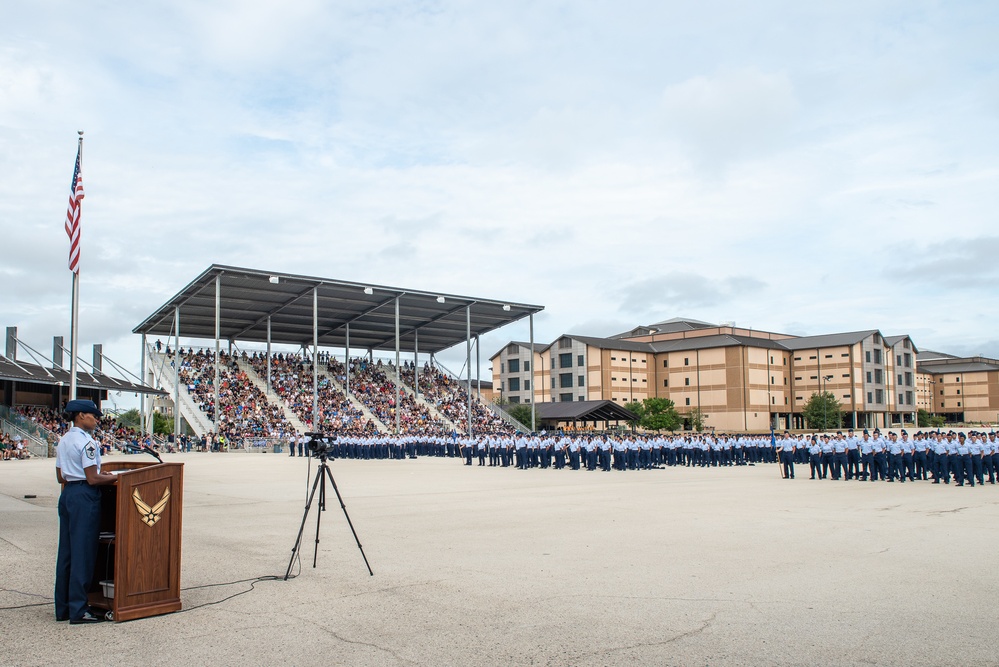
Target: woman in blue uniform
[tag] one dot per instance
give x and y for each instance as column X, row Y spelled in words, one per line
column 78, row 466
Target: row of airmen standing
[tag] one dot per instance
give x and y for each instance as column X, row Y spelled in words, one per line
column 874, row 457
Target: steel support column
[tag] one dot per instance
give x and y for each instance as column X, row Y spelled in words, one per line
column 398, row 408
column 468, row 365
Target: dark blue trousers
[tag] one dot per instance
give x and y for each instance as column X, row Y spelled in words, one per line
column 79, row 527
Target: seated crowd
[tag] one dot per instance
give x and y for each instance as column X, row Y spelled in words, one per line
column 245, row 413
column 291, row 380
column 447, row 394
column 371, row 385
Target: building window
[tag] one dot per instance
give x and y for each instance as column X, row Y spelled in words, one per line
column 877, row 355
column 527, row 385
column 846, row 375
column 959, row 404
column 878, row 377
column 665, row 363
column 580, row 361
column 564, row 343
column 797, row 358
column 553, row 382
column 828, row 356
column 898, row 359
column 527, row 366
column 901, row 399
column 772, row 379
column 686, row 401
column 581, row 381
column 686, row 382
column 907, row 357
column 870, row 397
column 908, row 379
column 514, row 365
column 958, row 392
column 665, row 383
column 869, row 377
column 899, row 378
column 867, row 355
column 502, row 367
column 565, row 380
column 565, row 398
column 813, row 357
column 797, row 378
column 514, row 384
column 879, row 396
column 773, row 400
column 845, row 354
column 582, row 398
column 613, row 358
column 686, row 361
column 846, row 395
column 565, row 360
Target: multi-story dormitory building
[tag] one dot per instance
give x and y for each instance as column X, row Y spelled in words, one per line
column 740, row 379
column 961, row 389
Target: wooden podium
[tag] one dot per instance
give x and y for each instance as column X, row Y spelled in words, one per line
column 139, row 549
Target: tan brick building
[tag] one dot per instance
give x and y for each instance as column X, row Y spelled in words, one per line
column 962, row 389
column 740, row 379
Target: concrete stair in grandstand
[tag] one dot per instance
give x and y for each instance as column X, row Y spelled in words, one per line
column 390, row 374
column 163, row 377
column 272, row 398
column 382, row 428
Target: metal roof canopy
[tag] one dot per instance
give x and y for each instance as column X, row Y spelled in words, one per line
column 250, row 300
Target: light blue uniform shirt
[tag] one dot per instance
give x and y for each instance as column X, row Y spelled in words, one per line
column 77, row 451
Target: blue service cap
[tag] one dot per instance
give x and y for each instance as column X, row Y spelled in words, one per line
column 866, row 432
column 80, row 405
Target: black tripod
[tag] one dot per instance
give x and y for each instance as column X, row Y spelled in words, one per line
column 321, row 474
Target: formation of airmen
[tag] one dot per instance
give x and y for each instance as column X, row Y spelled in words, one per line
column 870, row 456
column 963, row 458
column 557, row 450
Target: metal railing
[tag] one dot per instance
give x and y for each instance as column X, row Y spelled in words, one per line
column 36, row 438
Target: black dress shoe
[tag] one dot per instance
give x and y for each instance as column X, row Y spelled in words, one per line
column 60, row 619
column 87, row 618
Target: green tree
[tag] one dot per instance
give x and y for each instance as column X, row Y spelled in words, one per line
column 659, row 414
column 638, row 409
column 823, row 412
column 130, row 419
column 161, row 424
column 923, row 418
column 696, row 419
column 522, row 413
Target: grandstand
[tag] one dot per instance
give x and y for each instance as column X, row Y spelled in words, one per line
column 267, row 395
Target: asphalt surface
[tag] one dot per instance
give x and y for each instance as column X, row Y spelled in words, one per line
column 492, row 566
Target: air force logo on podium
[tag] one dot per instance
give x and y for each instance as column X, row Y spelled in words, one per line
column 150, row 515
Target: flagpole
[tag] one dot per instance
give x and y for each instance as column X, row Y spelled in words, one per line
column 74, row 319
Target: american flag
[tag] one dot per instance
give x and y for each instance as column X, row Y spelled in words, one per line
column 73, row 212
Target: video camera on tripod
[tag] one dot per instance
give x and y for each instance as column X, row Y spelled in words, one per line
column 320, row 443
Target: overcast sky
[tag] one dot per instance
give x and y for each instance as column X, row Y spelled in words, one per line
column 791, row 166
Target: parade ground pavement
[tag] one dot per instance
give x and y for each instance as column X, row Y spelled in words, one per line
column 498, row 566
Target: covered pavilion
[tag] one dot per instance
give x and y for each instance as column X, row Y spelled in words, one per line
column 240, row 304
